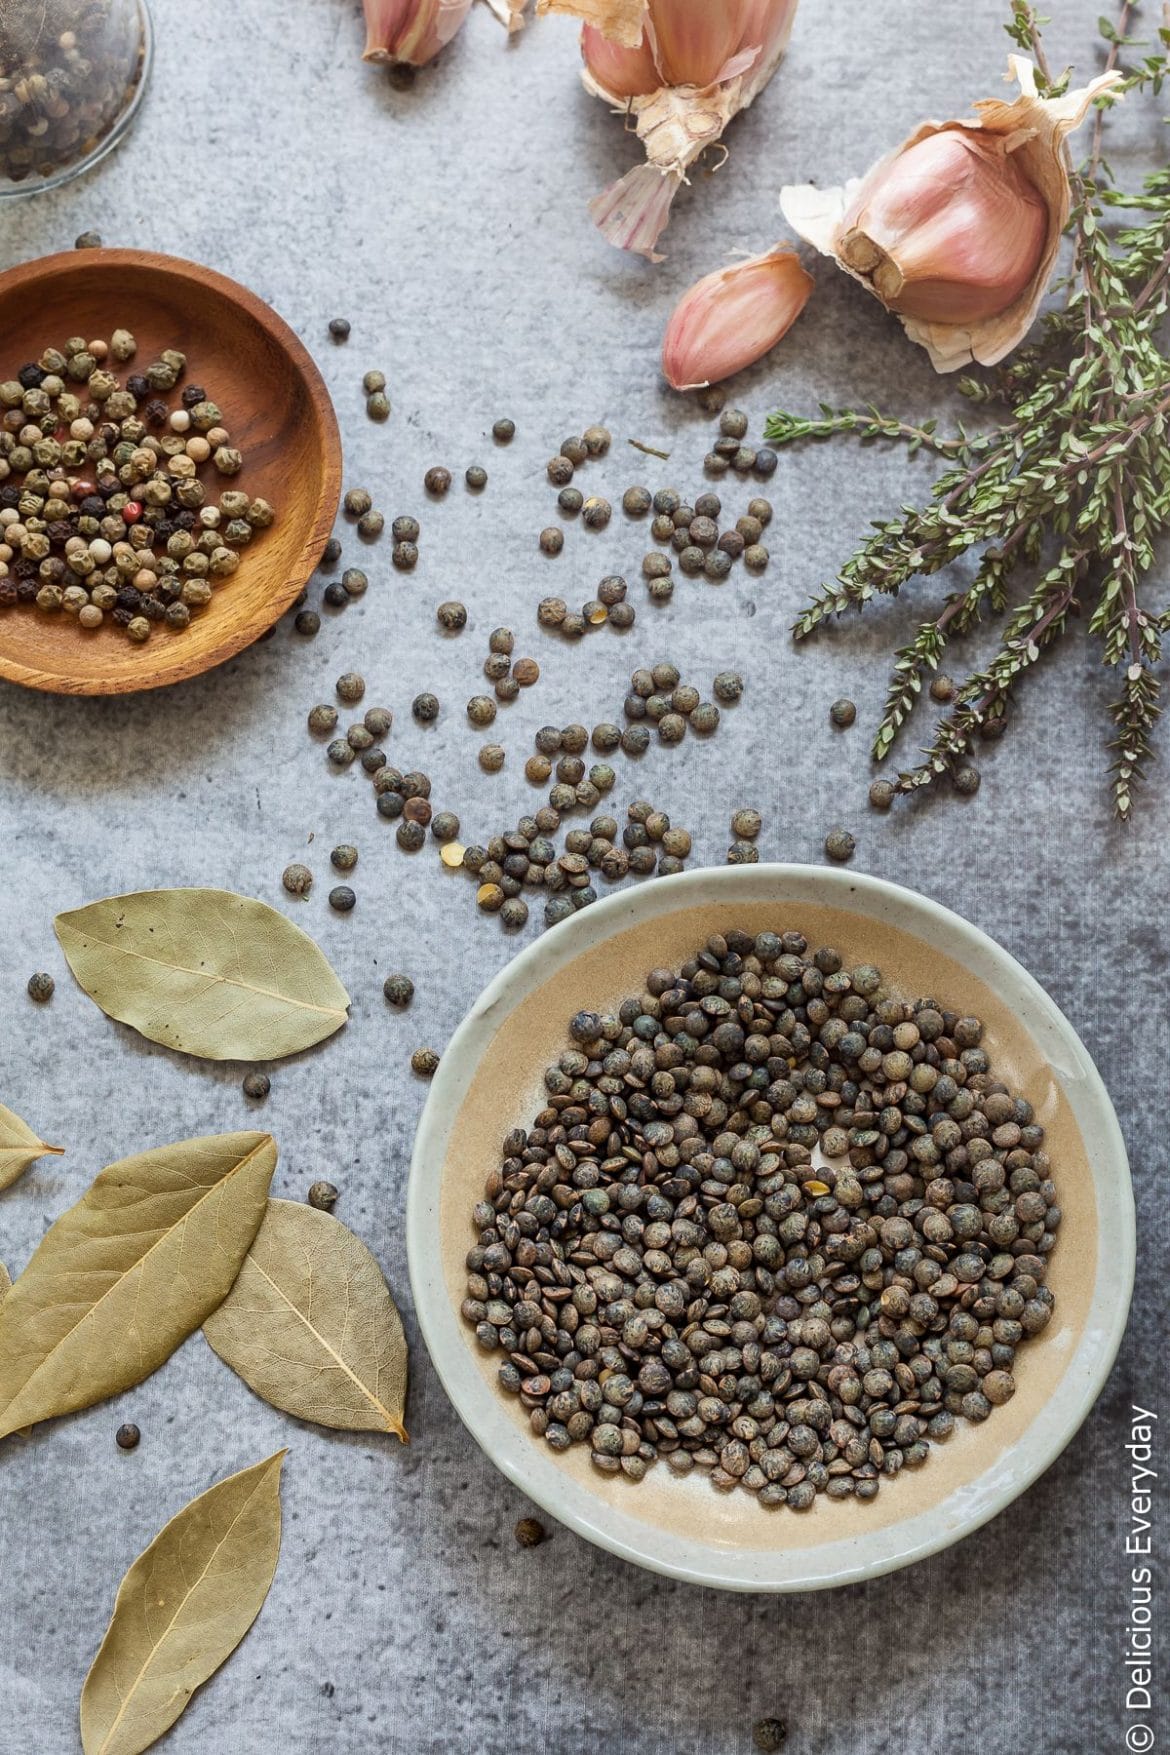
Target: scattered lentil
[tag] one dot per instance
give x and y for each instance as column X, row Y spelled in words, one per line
column 398, row 989
column 257, row 1086
column 324, row 1196
column 41, row 987
column 839, row 844
column 297, row 879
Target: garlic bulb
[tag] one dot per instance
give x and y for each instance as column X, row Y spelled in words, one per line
column 682, row 69
column 731, row 318
column 951, row 230
column 411, row 31
column 957, row 230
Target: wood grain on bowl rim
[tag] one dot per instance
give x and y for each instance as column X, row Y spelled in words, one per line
column 275, row 405
column 490, row 1079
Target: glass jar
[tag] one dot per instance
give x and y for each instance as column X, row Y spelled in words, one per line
column 72, row 75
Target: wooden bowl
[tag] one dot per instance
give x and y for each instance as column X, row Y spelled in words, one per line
column 276, row 407
column 490, row 1079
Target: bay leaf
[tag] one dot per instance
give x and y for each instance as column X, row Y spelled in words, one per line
column 129, row 1272
column 19, row 1147
column 5, row 1282
column 182, row 1609
column 310, row 1324
column 205, row 972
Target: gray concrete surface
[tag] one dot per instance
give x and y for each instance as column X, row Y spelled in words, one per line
column 448, row 224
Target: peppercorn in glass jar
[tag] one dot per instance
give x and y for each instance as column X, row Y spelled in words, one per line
column 72, row 75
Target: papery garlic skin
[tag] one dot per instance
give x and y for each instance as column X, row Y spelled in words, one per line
column 966, row 274
column 682, row 69
column 411, row 32
column 951, row 230
column 730, row 319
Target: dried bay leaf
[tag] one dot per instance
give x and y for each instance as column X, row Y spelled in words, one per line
column 5, row 1281
column 182, row 1609
column 129, row 1272
column 310, row 1324
column 19, row 1147
column 205, row 972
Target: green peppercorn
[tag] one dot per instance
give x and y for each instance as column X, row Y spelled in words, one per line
column 398, row 989
column 839, row 844
column 324, row 1196
column 297, row 880
column 257, row 1086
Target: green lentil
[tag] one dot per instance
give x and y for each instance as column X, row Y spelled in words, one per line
column 399, row 990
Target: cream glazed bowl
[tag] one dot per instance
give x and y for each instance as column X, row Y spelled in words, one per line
column 490, row 1079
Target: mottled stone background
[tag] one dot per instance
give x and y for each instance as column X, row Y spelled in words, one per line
column 448, row 224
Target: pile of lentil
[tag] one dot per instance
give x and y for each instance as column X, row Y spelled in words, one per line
column 103, row 512
column 670, row 1273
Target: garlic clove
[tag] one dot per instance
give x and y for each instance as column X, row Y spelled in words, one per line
column 411, row 32
column 736, row 54
column 623, row 72
column 693, row 39
column 952, row 230
column 731, row 318
column 965, row 267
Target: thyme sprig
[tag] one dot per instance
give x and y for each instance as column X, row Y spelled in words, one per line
column 1063, row 499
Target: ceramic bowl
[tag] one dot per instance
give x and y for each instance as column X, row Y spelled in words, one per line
column 491, row 1079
